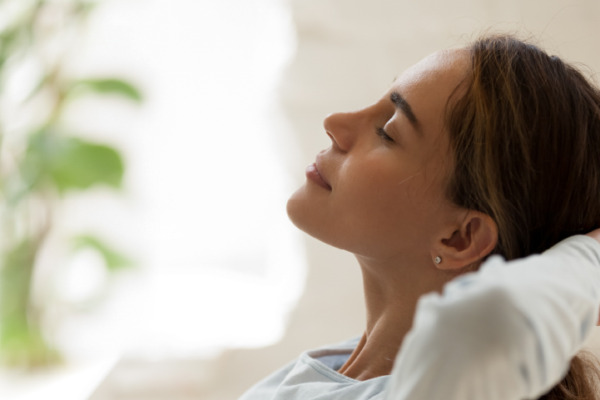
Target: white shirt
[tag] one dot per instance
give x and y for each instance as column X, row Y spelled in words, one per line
column 506, row 332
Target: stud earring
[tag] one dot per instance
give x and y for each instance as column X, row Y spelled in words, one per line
column 437, row 260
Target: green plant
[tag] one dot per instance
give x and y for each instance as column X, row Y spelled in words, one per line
column 42, row 160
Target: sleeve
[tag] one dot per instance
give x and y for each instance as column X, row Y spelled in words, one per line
column 506, row 332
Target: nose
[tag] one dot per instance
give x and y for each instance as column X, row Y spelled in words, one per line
column 341, row 128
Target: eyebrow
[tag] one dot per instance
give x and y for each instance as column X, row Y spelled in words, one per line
column 403, row 106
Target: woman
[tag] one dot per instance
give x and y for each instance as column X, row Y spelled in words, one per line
column 493, row 149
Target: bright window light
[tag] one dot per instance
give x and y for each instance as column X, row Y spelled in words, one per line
column 204, row 207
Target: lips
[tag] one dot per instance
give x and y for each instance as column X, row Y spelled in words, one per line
column 313, row 174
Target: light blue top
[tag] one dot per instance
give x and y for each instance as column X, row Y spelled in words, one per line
column 506, row 332
column 314, row 376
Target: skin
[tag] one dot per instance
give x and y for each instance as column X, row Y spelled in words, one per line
column 385, row 201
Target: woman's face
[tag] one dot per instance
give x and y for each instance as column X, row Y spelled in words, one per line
column 379, row 189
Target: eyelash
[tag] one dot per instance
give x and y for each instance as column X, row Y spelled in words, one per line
column 383, row 135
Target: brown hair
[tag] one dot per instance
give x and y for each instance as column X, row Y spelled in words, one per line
column 525, row 134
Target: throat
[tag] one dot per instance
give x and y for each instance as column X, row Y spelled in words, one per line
column 374, row 355
column 391, row 296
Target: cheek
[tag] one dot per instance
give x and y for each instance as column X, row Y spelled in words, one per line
column 391, row 204
column 378, row 184
column 380, row 201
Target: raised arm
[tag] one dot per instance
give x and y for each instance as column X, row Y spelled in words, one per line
column 506, row 332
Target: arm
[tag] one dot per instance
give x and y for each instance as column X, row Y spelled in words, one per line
column 506, row 332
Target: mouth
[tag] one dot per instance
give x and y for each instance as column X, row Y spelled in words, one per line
column 313, row 174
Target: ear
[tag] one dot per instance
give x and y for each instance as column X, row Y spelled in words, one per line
column 467, row 243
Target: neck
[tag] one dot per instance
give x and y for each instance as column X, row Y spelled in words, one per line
column 391, row 295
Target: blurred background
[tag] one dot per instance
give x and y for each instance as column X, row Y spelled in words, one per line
column 148, row 149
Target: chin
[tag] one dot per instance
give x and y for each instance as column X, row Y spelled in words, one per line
column 305, row 215
column 297, row 208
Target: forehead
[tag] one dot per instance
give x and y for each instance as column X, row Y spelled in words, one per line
column 448, row 66
column 427, row 85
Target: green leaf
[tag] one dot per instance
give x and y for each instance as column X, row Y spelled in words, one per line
column 84, row 7
column 9, row 44
column 104, row 86
column 81, row 164
column 22, row 343
column 15, row 278
column 70, row 163
column 114, row 260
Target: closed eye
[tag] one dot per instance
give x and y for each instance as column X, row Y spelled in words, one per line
column 383, row 134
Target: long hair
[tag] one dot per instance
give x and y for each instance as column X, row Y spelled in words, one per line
column 525, row 133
